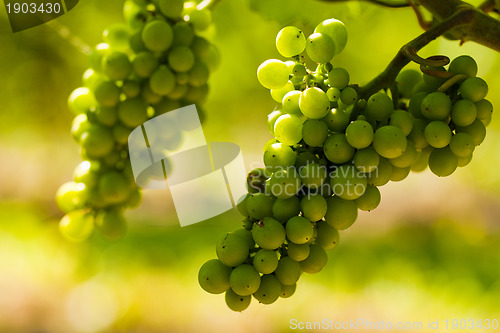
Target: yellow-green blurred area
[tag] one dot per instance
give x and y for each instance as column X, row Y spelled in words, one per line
column 430, row 251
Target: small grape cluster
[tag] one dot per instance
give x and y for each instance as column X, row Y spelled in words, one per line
column 155, row 63
column 330, row 152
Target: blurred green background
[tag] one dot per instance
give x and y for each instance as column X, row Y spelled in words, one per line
column 430, row 251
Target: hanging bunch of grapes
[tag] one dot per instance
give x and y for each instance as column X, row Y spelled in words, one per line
column 155, row 63
column 330, row 152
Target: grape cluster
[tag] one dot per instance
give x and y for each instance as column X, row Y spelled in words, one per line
column 155, row 63
column 330, row 152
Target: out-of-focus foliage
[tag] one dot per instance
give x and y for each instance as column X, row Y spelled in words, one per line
column 429, row 251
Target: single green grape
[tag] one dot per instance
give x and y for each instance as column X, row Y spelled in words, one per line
column 237, row 302
column 298, row 252
column 244, row 280
column 359, row 134
column 157, row 35
column 408, row 157
column 213, row 276
column 291, row 102
column 288, row 129
column 201, row 19
column 284, row 184
column 285, row 209
column 462, row 145
column 463, row 112
column 348, row 182
column 162, row 81
column 288, row 271
column 333, row 94
column 97, row 141
column 114, row 187
column 320, row 48
column 116, row 65
column 370, row 199
column 117, row 36
column 337, row 120
column 290, row 41
column 72, row 196
column 341, row 214
column 349, row 95
column 399, row 174
column 316, row 260
column 313, row 207
column 269, row 290
column 403, row 120
column 382, row 174
column 171, row 8
column 77, row 226
column 312, row 175
column 337, row 149
column 417, row 135
column 338, row 78
column 477, row 130
column 366, row 160
column 265, row 261
column 299, row 230
column 327, row 237
column 259, row 205
column 443, row 162
column 337, row 32
column 314, row 103
column 273, row 74
column 406, row 82
column 389, row 141
column 314, row 132
column 463, row 64
column 132, row 112
column 232, row 249
column 436, row 106
column 378, row 107
column 287, row 290
column 269, row 234
column 181, row 58
column 473, row 89
column 279, row 93
column 81, row 100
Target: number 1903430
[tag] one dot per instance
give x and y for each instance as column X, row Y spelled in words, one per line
column 33, row 8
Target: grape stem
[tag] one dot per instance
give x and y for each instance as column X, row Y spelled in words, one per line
column 207, row 4
column 462, row 17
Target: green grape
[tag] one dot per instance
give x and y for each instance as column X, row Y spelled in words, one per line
column 259, row 205
column 288, row 271
column 116, row 65
column 463, row 64
column 463, row 161
column 97, row 141
column 232, row 249
column 269, row 290
column 417, row 134
column 406, row 81
column 81, row 100
column 359, row 134
column 438, row 134
column 304, row 159
column 117, row 36
column 285, row 209
column 327, row 237
column 316, row 260
column 290, row 41
column 366, row 160
column 157, row 35
column 463, row 113
column 213, row 276
column 269, row 234
column 196, row 94
column 399, row 174
column 299, row 230
column 77, row 226
column 149, row 96
column 389, row 141
column 284, row 184
column 369, row 200
column 408, row 157
column 341, row 214
column 279, row 156
column 244, row 280
column 144, row 64
column 114, row 187
column 477, row 130
column 273, row 74
column 91, row 79
column 298, row 252
column 183, row 34
column 136, row 42
column 314, row 103
column 378, row 107
column 299, row 71
column 313, row 207
column 337, row 32
column 337, row 149
column 171, row 8
column 246, row 235
column 271, row 120
column 382, row 173
column 265, row 261
column 212, row 58
column 314, row 132
column 201, row 19
column 162, row 81
column 287, row 290
column 87, row 173
column 473, row 89
column 279, row 94
column 131, row 88
column 121, row 133
column 462, row 145
column 349, row 95
column 312, row 175
column 72, row 196
column 291, row 102
column 484, row 109
column 348, row 183
column 181, row 58
column 338, row 78
column 80, row 125
column 112, row 224
column 442, row 162
column 234, row 301
column 336, row 120
column 96, row 55
column 178, row 92
column 132, row 112
column 415, row 106
column 320, row 48
column 333, row 94
column 436, row 106
column 288, row 129
column 403, row 120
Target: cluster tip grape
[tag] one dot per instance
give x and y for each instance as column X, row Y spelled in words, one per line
column 155, row 63
column 330, row 152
